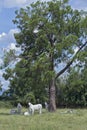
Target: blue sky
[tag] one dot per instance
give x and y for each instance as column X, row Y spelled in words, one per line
column 7, row 14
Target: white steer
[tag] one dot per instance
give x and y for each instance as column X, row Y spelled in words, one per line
column 32, row 108
column 26, row 113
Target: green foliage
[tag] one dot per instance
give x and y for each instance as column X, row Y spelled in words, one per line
column 5, row 104
column 58, row 32
column 73, row 92
column 8, row 57
column 29, row 97
column 25, row 84
column 8, row 73
column 53, row 24
column 74, row 89
column 0, row 86
column 49, row 33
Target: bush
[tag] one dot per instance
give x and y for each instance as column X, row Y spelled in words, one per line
column 29, row 98
column 5, row 104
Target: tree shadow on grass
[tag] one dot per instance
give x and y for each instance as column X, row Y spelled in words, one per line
column 9, row 114
column 4, row 114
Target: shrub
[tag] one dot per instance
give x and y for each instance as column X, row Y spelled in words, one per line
column 5, row 104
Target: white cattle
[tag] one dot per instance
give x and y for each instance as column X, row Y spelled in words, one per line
column 26, row 113
column 13, row 111
column 19, row 107
column 32, row 108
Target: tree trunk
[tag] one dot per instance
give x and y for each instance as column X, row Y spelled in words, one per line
column 52, row 93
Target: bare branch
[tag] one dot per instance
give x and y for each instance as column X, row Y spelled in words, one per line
column 70, row 63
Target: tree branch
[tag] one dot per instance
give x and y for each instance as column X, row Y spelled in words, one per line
column 68, row 65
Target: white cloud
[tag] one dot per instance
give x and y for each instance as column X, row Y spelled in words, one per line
column 1, row 61
column 1, row 72
column 75, row 50
column 16, row 3
column 2, row 35
column 79, row 4
column 12, row 46
column 7, row 38
column 1, row 5
column 3, row 81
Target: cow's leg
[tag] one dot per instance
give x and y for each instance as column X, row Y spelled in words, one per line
column 32, row 111
column 40, row 111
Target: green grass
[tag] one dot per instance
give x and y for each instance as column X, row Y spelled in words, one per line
column 60, row 120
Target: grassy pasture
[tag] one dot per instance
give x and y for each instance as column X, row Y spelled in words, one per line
column 60, row 120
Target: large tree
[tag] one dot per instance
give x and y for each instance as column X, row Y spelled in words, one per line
column 48, row 34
